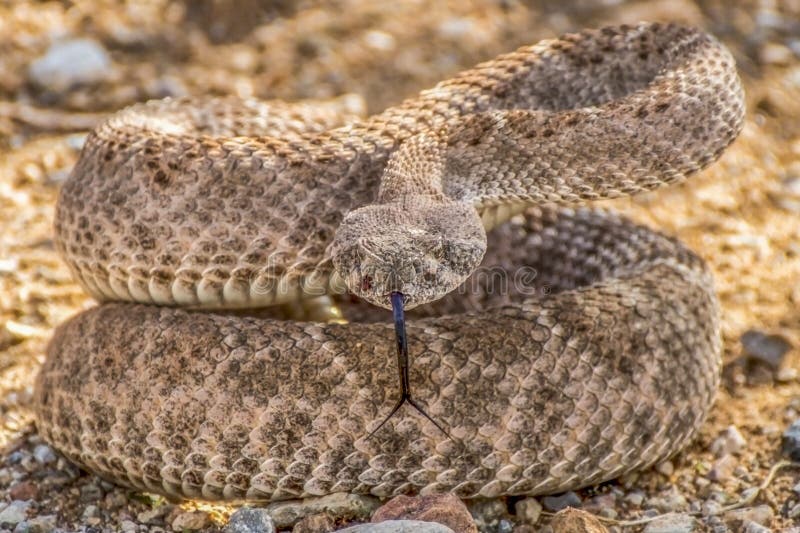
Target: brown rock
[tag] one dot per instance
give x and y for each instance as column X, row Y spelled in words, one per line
column 316, row 523
column 24, row 490
column 191, row 520
column 444, row 509
column 572, row 520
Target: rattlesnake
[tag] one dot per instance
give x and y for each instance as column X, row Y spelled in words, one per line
column 603, row 358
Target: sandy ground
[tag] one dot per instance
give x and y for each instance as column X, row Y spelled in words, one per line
column 742, row 215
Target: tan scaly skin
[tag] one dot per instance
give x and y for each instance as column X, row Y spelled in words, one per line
column 604, row 361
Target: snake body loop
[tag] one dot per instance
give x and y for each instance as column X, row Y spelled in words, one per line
column 583, row 347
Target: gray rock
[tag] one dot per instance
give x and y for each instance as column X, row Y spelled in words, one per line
column 398, row 526
column 562, row 501
column 39, row 524
column 672, row 523
column 340, row 505
column 16, row 512
column 90, row 511
column 763, row 348
column 794, row 512
column 790, row 444
column 91, row 492
column 634, row 498
column 250, row 520
column 729, row 442
column 668, row 502
column 761, row 514
column 70, row 63
column 528, row 511
column 710, row 507
column 128, row 526
column 753, row 527
column 44, row 454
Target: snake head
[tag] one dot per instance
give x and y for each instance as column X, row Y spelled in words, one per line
column 419, row 246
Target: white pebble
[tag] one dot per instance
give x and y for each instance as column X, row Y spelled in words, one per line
column 729, row 442
column 70, row 63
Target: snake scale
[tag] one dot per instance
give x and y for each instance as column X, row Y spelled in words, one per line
column 183, row 217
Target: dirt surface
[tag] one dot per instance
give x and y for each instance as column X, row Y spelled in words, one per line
column 742, row 215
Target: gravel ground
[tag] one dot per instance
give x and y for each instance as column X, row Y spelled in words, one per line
column 63, row 65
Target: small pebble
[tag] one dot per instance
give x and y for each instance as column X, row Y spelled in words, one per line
column 528, row 511
column 730, row 441
column 487, row 513
column 634, row 498
column 30, row 464
column 16, row 512
column 776, row 54
column 250, row 520
column 398, row 526
column 710, row 508
column 602, row 504
column 6, row 476
column 38, row 524
column 90, row 511
column 316, row 523
column 668, row 502
column 70, row 63
column 787, row 374
column 761, row 514
column 790, row 444
column 672, row 523
column 764, row 348
column 753, row 527
column 91, row 492
column 666, row 468
column 113, row 500
column 562, row 501
column 722, row 469
column 191, row 520
column 128, row 526
column 24, row 490
column 44, row 454
column 572, row 520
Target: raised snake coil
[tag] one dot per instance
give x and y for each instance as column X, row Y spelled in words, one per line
column 608, row 365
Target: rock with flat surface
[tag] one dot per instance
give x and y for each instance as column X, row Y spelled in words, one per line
column 444, row 509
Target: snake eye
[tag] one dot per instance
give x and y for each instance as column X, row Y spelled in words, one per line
column 366, row 283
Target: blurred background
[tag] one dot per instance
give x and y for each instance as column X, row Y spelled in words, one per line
column 64, row 65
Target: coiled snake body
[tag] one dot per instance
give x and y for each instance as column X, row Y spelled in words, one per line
column 603, row 357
